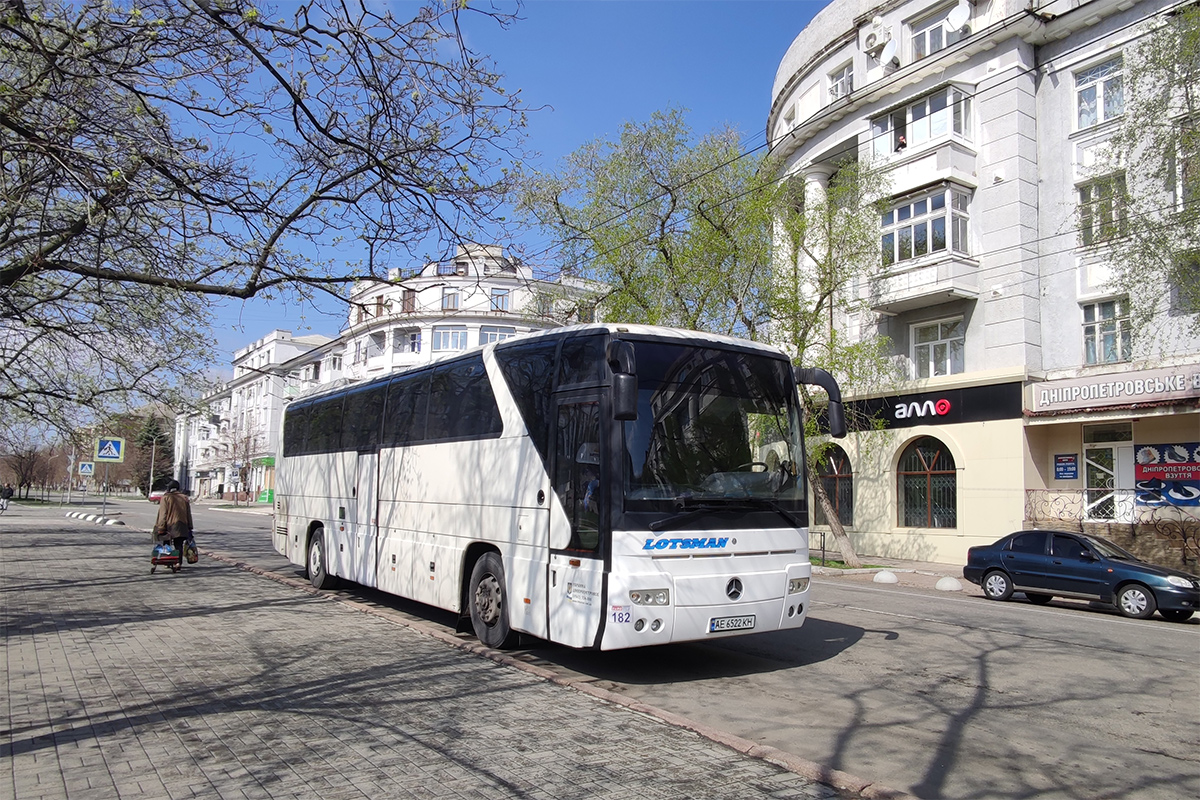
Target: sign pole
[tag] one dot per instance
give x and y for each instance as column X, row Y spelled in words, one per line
column 104, row 504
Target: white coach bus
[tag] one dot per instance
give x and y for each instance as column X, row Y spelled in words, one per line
column 599, row 486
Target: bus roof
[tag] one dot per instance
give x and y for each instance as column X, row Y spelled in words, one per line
column 615, row 329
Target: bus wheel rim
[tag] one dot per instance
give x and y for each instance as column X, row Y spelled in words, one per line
column 487, row 599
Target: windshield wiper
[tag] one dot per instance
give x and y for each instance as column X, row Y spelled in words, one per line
column 697, row 507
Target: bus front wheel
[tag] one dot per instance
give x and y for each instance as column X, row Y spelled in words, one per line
column 318, row 576
column 488, row 599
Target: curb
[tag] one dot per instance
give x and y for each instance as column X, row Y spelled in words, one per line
column 99, row 520
column 836, row 779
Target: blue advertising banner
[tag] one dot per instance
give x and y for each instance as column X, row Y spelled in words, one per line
column 1167, row 474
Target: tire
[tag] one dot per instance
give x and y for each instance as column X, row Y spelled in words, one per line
column 318, row 576
column 1039, row 599
column 488, row 600
column 997, row 585
column 1136, row 601
column 1176, row 615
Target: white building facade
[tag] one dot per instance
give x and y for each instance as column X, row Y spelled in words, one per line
column 1030, row 400
column 229, row 448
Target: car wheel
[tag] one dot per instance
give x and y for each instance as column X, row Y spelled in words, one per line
column 318, row 576
column 1176, row 615
column 997, row 586
column 1039, row 599
column 488, row 599
column 1136, row 601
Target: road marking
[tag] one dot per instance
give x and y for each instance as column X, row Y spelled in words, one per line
column 1155, row 625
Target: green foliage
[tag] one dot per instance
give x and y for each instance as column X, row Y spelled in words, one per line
column 675, row 228
column 1156, row 259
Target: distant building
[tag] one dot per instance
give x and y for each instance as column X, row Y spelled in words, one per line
column 1030, row 399
column 231, row 446
column 477, row 297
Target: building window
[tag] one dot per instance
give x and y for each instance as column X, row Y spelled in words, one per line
column 927, row 224
column 943, row 113
column 838, row 479
column 1099, row 93
column 500, row 300
column 376, row 344
column 841, row 83
column 1186, row 177
column 449, row 299
column 1107, row 334
column 408, row 301
column 493, row 333
column 1184, row 285
column 335, row 363
column 928, row 485
column 937, row 348
column 933, row 34
column 449, row 337
column 1102, row 209
column 406, row 341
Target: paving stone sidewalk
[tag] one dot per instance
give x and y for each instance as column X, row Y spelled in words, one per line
column 216, row 683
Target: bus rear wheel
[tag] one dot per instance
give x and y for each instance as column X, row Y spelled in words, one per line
column 318, row 576
column 488, row 599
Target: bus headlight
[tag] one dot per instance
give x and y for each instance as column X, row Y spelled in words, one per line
column 797, row 585
column 650, row 597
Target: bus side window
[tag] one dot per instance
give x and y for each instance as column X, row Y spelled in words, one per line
column 404, row 421
column 361, row 420
column 295, row 430
column 582, row 362
column 577, row 472
column 529, row 372
column 325, row 426
column 461, row 402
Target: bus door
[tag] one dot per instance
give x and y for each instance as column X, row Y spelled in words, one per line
column 365, row 524
column 576, row 572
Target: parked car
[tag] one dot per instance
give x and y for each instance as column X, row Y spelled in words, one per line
column 157, row 491
column 1048, row 564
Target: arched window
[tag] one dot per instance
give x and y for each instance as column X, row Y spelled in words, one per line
column 928, row 485
column 838, row 480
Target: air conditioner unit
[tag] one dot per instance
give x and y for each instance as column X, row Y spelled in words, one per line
column 873, row 36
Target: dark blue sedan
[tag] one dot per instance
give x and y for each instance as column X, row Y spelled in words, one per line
column 1048, row 564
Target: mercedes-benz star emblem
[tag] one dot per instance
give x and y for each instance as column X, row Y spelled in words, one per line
column 733, row 589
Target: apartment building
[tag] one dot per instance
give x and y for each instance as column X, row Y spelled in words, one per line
column 1030, row 400
column 229, row 448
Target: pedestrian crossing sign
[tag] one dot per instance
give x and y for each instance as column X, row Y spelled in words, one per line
column 87, row 468
column 110, row 451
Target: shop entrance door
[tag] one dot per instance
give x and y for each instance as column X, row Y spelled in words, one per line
column 1108, row 472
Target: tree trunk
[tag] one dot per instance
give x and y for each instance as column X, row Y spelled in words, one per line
column 845, row 547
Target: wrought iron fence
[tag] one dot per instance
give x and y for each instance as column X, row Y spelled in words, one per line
column 1177, row 527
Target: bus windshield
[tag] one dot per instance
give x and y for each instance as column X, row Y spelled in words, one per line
column 712, row 425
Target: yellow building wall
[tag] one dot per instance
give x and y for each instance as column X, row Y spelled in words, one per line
column 991, row 461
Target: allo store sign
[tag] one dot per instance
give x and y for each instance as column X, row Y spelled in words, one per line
column 945, row 407
column 940, row 407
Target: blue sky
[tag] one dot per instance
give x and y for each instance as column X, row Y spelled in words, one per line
column 596, row 64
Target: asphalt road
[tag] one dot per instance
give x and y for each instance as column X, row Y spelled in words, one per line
column 941, row 695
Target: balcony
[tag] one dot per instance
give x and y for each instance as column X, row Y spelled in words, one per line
column 1161, row 534
column 907, row 286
